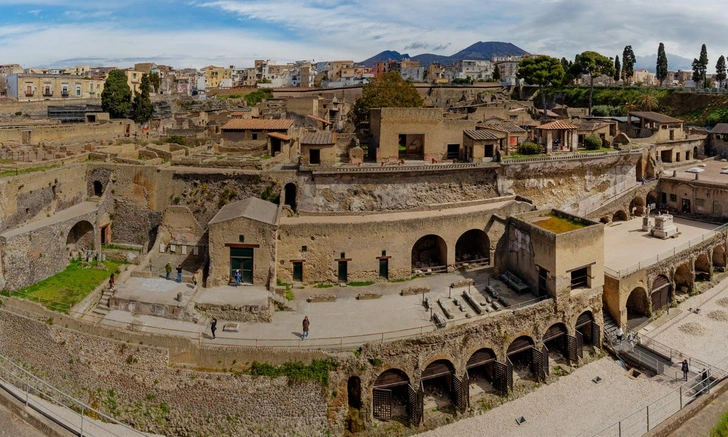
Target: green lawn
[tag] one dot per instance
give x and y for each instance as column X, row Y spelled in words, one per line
column 721, row 428
column 62, row 291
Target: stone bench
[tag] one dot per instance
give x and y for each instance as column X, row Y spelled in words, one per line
column 231, row 327
column 439, row 320
column 321, row 298
column 471, row 301
column 514, row 282
column 446, row 308
column 368, row 296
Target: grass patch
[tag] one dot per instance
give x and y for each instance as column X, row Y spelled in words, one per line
column 296, row 371
column 721, row 428
column 558, row 225
column 117, row 247
column 289, row 294
column 20, row 171
column 360, row 283
column 522, row 156
column 64, row 290
column 323, row 286
column 400, row 279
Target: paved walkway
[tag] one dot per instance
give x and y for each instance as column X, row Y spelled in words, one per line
column 13, row 426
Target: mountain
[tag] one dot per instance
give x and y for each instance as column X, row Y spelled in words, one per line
column 674, row 63
column 478, row 51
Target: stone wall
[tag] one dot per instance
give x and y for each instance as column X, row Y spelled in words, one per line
column 39, row 108
column 58, row 135
column 136, row 384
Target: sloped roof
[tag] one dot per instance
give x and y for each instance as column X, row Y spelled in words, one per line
column 319, row 119
column 720, row 128
column 481, row 134
column 504, row 127
column 319, row 138
column 251, row 208
column 257, row 124
column 590, row 125
column 280, row 136
column 655, row 116
column 549, row 113
column 557, row 125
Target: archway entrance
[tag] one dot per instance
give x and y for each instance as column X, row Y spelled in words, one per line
column 481, row 371
column 520, row 358
column 556, row 342
column 98, row 188
column 695, row 153
column 651, row 199
column 637, row 207
column 290, row 195
column 80, row 237
column 638, row 307
column 438, row 385
column 683, row 279
column 702, row 268
column 353, row 391
column 390, row 395
column 472, row 248
column 584, row 332
column 661, row 293
column 429, row 254
column 619, row 216
column 719, row 258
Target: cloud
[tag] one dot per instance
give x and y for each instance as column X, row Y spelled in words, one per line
column 426, row 46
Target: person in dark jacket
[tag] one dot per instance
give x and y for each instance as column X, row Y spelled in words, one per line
column 213, row 327
column 306, row 324
column 685, row 369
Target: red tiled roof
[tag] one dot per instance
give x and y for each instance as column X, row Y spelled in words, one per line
column 257, row 124
column 319, row 138
column 280, row 136
column 319, row 119
column 481, row 134
column 557, row 125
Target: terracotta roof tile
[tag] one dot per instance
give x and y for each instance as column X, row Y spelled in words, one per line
column 557, row 125
column 655, row 116
column 481, row 134
column 720, row 128
column 319, row 138
column 257, row 124
column 504, row 127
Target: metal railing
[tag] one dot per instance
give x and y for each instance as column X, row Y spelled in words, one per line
column 58, row 406
column 663, row 256
column 568, row 156
column 650, row 416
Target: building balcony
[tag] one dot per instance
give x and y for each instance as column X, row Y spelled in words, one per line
column 47, row 93
column 65, row 93
column 29, row 93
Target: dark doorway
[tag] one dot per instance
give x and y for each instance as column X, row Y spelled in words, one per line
column 411, row 146
column 98, row 188
column 453, row 151
column 242, row 258
column 481, row 370
column 81, row 236
column 353, row 390
column 473, row 248
column 661, row 293
column 520, row 353
column 584, row 327
column 343, row 273
column 384, row 268
column 683, row 279
column 298, row 271
column 542, row 281
column 314, row 156
column 638, row 307
column 275, row 146
column 106, row 235
column 437, row 384
column 290, row 193
column 555, row 339
column 703, row 271
column 390, row 395
column 685, row 208
column 429, row 252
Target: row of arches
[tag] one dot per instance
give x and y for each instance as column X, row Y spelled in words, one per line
column 430, row 251
column 397, row 396
column 637, row 207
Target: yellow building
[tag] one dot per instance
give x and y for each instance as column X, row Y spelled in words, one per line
column 33, row 87
column 134, row 80
column 217, row 76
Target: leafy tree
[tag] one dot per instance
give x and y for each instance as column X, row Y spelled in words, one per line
column 700, row 66
column 496, row 73
column 568, row 77
column 628, row 61
column 648, row 101
column 720, row 70
column 142, row 106
column 116, row 97
column 156, row 81
column 593, row 142
column 388, row 90
column 661, row 68
column 542, row 71
column 617, row 69
column 595, row 65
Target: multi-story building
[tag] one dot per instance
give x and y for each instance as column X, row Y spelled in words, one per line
column 218, row 77
column 134, row 80
column 473, row 69
column 33, row 87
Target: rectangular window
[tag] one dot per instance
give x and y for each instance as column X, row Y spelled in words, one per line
column 254, row 136
column 699, row 204
column 580, row 278
column 241, row 238
column 673, row 197
column 78, row 90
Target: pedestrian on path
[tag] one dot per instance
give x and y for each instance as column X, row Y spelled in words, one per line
column 630, row 340
column 238, row 278
column 620, row 334
column 306, row 324
column 685, row 369
column 111, row 282
column 194, row 279
column 168, row 269
column 213, row 327
column 179, row 273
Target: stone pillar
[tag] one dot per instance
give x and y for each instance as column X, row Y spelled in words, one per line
column 549, row 142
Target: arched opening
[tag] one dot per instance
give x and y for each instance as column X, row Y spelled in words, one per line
column 640, row 169
column 473, row 248
column 661, row 293
column 702, row 268
column 98, row 188
column 683, row 279
column 353, row 391
column 695, row 153
column 429, row 254
column 481, row 371
column 80, row 237
column 520, row 355
column 605, row 220
column 390, row 397
column 719, row 258
column 637, row 207
column 638, row 307
column 555, row 340
column 437, row 384
column 290, row 195
column 651, row 199
column 619, row 216
column 584, row 327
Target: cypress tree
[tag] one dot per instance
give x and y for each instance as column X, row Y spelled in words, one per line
column 661, row 68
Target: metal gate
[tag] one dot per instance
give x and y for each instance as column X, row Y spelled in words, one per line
column 571, row 345
column 459, row 393
column 545, row 352
column 382, row 403
column 537, row 364
column 416, row 405
column 579, row 344
column 596, row 335
column 466, row 390
column 509, row 373
column 660, row 293
column 500, row 376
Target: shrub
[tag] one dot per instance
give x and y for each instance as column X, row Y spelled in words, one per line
column 592, row 142
column 529, row 148
column 176, row 139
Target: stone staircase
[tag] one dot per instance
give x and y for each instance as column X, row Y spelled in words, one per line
column 102, row 308
column 610, row 328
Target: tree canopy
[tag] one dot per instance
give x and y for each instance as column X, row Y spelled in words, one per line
column 142, row 107
column 720, row 70
column 628, row 61
column 542, row 71
column 594, row 64
column 617, row 69
column 388, row 90
column 700, row 66
column 116, row 97
column 661, row 67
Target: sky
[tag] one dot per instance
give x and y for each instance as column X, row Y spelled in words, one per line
column 196, row 33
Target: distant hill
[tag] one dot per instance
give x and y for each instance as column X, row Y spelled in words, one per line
column 674, row 63
column 478, row 51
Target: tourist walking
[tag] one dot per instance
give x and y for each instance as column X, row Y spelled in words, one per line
column 238, row 278
column 685, row 369
column 620, row 334
column 306, row 324
column 630, row 340
column 194, row 279
column 179, row 273
column 213, row 327
column 111, row 282
column 168, row 269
